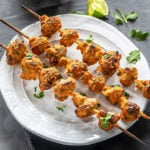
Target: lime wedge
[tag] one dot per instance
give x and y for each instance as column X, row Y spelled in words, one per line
column 97, row 8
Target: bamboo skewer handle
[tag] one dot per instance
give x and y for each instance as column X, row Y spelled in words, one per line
column 130, row 134
column 145, row 116
column 14, row 28
column 4, row 47
column 31, row 11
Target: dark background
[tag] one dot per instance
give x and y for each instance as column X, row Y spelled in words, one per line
column 10, row 10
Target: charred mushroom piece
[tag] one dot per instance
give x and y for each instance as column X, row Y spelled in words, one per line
column 31, row 65
column 109, row 63
column 49, row 25
column 68, row 37
column 64, row 88
column 127, row 75
column 47, row 78
column 16, row 51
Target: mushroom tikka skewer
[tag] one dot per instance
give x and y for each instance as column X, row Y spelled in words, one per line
column 49, row 25
column 15, row 52
column 38, row 44
column 86, row 107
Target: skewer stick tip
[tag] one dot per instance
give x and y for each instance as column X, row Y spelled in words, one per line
column 30, row 11
column 130, row 134
column 14, row 28
column 3, row 46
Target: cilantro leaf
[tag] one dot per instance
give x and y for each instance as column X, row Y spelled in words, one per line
column 45, row 66
column 126, row 94
column 118, row 19
column 122, row 15
column 131, row 16
column 40, row 95
column 105, row 120
column 115, row 85
column 77, row 12
column 133, row 57
column 139, row 35
column 83, row 94
column 90, row 39
column 29, row 56
column 60, row 108
column 106, row 56
column 35, row 89
column 121, row 18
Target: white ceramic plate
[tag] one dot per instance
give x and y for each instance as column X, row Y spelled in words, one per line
column 40, row 116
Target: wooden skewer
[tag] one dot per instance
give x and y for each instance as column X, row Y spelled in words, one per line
column 30, row 11
column 14, row 28
column 145, row 116
column 130, row 134
column 124, row 131
column 3, row 46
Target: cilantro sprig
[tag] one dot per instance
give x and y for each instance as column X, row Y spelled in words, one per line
column 133, row 57
column 105, row 120
column 115, row 85
column 121, row 18
column 38, row 95
column 83, row 94
column 126, row 94
column 60, row 107
column 139, row 35
column 106, row 56
column 90, row 39
column 28, row 56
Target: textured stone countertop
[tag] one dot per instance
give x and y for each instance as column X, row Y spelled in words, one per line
column 12, row 135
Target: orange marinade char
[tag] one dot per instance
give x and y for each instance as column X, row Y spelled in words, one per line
column 144, row 87
column 96, row 83
column 91, row 52
column 112, row 119
column 39, row 44
column 127, row 75
column 109, row 63
column 130, row 112
column 16, row 51
column 86, row 108
column 74, row 68
column 55, row 52
column 68, row 37
column 113, row 94
column 64, row 88
column 50, row 25
column 31, row 65
column 47, row 77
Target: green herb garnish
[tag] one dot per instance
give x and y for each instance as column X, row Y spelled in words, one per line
column 83, row 94
column 90, row 39
column 60, row 108
column 17, row 53
column 29, row 55
column 118, row 19
column 121, row 18
column 40, row 95
column 106, row 56
column 133, row 57
column 139, row 35
column 77, row 12
column 44, row 65
column 105, row 120
column 131, row 16
column 35, row 89
column 115, row 85
column 71, row 73
column 126, row 94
